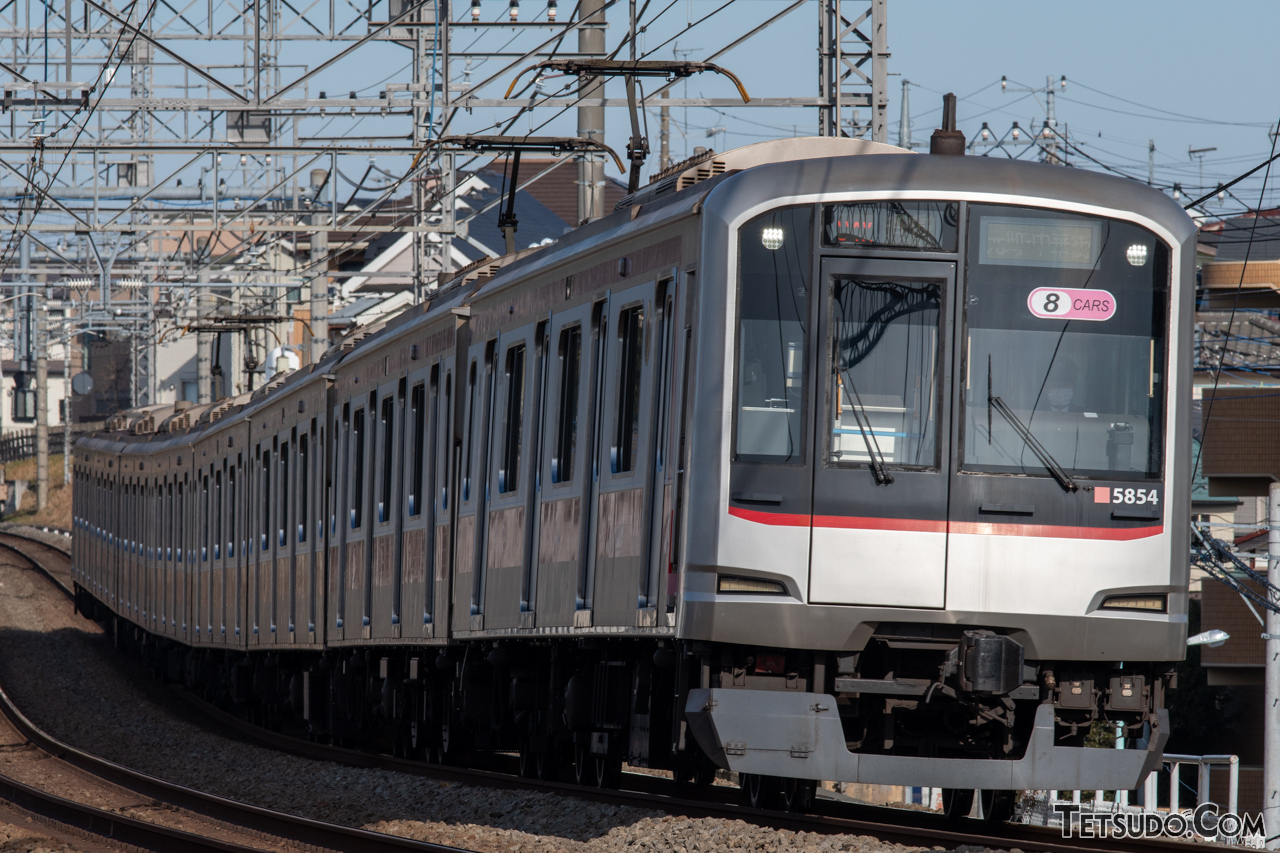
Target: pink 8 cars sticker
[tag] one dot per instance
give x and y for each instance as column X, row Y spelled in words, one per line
column 1064, row 303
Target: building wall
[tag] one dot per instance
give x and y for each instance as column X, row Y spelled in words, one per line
column 1222, row 608
column 8, row 387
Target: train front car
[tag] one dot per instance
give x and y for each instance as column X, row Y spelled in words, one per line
column 940, row 458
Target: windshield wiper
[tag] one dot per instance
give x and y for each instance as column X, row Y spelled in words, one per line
column 1046, row 458
column 878, row 468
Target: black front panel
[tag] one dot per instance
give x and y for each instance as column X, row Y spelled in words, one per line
column 772, row 395
column 1063, row 351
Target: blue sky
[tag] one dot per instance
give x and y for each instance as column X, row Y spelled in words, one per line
column 1185, row 75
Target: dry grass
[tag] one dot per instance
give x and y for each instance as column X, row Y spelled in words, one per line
column 25, row 469
column 58, row 511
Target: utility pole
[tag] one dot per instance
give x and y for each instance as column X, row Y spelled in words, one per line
column 1048, row 136
column 1051, row 122
column 1151, row 162
column 591, row 118
column 320, row 267
column 904, row 120
column 66, row 401
column 42, row 404
column 664, row 136
column 852, row 35
column 1271, row 714
column 204, row 337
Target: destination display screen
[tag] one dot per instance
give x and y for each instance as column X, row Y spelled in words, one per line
column 1061, row 243
column 920, row 225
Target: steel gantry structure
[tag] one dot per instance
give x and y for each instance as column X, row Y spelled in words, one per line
column 236, row 150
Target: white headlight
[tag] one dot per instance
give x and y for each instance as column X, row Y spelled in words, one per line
column 1137, row 254
column 771, row 237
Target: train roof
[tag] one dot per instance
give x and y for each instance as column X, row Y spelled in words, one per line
column 721, row 187
column 888, row 174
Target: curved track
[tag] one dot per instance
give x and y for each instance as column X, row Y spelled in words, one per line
column 265, row 829
column 914, row 828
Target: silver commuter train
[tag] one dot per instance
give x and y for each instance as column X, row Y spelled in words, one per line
column 814, row 460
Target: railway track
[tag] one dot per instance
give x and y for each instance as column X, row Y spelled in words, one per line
column 209, row 823
column 913, row 828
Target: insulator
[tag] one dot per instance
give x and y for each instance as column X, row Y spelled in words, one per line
column 475, row 10
column 551, row 10
column 515, row 10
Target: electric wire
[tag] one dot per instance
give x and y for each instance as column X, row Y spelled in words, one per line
column 1204, row 429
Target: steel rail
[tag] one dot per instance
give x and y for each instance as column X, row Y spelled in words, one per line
column 899, row 826
column 303, row 830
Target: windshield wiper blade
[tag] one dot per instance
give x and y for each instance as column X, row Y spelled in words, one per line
column 878, row 467
column 1046, row 459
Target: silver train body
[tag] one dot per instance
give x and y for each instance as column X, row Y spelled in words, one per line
column 817, row 460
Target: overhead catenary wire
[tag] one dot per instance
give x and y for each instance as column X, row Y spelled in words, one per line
column 42, row 193
column 1235, row 303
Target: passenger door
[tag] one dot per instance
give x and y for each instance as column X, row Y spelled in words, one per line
column 879, row 528
column 557, row 586
column 624, row 459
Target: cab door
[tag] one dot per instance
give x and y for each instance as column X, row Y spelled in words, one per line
column 879, row 529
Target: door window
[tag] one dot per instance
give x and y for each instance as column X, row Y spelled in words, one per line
column 883, row 388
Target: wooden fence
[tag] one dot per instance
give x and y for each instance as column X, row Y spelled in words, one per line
column 21, row 444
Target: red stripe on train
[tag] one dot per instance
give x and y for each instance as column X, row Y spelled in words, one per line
column 980, row 528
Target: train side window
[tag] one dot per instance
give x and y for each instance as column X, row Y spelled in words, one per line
column 178, row 520
column 204, row 518
column 357, row 469
column 320, row 478
column 331, row 485
column 266, row 499
column 471, row 421
column 562, row 455
column 417, row 409
column 282, row 520
column 388, row 458
column 513, row 433
column 446, row 467
column 169, row 527
column 773, row 298
column 304, row 484
column 626, row 439
column 217, row 514
column 231, row 502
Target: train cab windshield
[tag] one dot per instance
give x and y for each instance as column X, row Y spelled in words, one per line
column 1064, row 345
column 1062, row 342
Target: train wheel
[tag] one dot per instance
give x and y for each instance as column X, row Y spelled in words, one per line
column 796, row 795
column 758, row 792
column 531, row 761
column 957, row 802
column 608, row 772
column 997, row 805
column 545, row 765
column 583, row 765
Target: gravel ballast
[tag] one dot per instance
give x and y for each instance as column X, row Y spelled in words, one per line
column 60, row 669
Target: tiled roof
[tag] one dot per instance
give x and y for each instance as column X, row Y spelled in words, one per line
column 558, row 190
column 536, row 221
column 1235, row 239
column 1253, row 344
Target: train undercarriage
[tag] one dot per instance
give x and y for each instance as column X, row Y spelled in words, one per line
column 579, row 709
